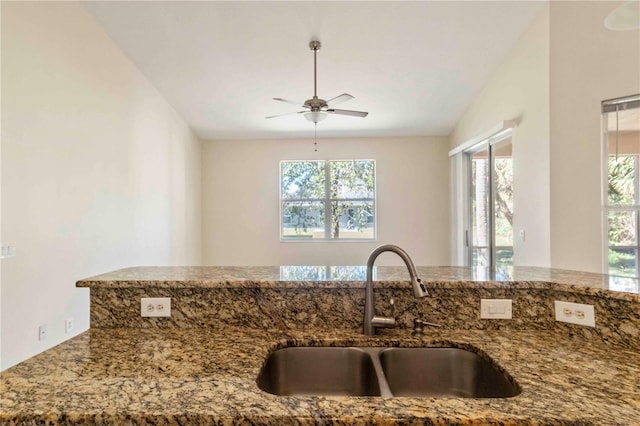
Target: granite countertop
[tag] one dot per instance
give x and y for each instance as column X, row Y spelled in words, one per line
column 611, row 287
column 204, row 376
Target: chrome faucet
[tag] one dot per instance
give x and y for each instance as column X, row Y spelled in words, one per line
column 371, row 321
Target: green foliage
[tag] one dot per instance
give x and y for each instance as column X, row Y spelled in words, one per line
column 622, row 262
column 303, row 180
column 622, row 228
column 503, row 172
column 351, row 192
column 351, row 180
column 622, row 224
column 621, row 181
column 503, row 221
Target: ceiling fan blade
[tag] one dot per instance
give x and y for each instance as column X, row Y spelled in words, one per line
column 289, row 113
column 348, row 112
column 288, row 101
column 339, row 99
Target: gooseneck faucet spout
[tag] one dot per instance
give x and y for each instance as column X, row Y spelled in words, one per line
column 371, row 321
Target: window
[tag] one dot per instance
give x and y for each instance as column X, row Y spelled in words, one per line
column 327, row 200
column 621, row 138
column 490, row 191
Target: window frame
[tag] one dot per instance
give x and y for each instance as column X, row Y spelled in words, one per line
column 607, row 107
column 489, row 144
column 327, row 200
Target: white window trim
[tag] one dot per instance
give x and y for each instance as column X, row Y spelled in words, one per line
column 327, row 201
column 494, row 135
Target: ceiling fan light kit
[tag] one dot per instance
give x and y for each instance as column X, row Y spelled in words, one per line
column 315, row 116
column 316, row 109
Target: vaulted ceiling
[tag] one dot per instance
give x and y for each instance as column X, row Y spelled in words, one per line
column 414, row 66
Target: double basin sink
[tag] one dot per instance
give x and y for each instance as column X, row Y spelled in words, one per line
column 386, row 372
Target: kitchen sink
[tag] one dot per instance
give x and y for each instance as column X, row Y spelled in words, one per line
column 319, row 371
column 386, row 372
column 444, row 372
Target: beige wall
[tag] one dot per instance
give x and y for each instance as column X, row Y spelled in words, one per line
column 241, row 201
column 98, row 171
column 588, row 65
column 519, row 90
column 553, row 83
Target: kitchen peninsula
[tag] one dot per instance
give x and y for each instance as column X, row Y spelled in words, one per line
column 200, row 365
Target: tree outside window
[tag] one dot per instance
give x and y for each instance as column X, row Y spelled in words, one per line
column 327, row 200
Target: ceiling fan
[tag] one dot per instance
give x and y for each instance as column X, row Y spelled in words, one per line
column 316, row 109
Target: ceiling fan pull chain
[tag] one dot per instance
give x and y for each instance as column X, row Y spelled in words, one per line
column 315, row 137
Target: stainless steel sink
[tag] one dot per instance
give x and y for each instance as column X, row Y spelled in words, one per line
column 386, row 372
column 319, row 371
column 444, row 372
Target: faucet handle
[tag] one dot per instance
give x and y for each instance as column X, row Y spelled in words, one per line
column 387, row 322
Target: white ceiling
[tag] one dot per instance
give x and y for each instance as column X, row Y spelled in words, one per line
column 415, row 66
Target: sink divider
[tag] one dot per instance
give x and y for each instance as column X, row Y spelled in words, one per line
column 374, row 354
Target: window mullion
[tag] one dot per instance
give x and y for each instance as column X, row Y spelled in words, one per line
column 327, row 200
column 492, row 206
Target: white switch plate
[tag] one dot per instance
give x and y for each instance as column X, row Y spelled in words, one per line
column 495, row 308
column 155, row 306
column 575, row 313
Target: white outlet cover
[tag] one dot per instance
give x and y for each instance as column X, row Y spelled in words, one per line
column 495, row 309
column 43, row 332
column 575, row 313
column 68, row 325
column 155, row 306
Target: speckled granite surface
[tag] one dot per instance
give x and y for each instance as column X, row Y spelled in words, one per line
column 353, row 277
column 276, row 298
column 200, row 366
column 203, row 376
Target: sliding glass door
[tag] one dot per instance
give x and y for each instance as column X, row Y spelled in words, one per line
column 490, row 216
column 479, row 240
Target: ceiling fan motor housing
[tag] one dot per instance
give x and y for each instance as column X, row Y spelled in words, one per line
column 315, row 104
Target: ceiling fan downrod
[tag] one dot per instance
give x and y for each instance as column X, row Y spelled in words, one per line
column 315, row 46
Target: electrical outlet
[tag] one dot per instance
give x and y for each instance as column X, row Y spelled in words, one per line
column 575, row 313
column 42, row 332
column 68, row 325
column 495, row 308
column 155, row 306
column 7, row 252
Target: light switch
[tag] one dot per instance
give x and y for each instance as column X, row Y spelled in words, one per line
column 495, row 308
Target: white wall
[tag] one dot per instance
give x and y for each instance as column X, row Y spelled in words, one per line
column 519, row 90
column 98, row 171
column 241, row 204
column 588, row 65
